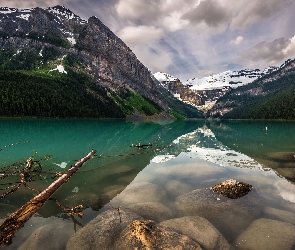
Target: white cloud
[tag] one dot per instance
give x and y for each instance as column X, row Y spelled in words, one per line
column 138, row 9
column 289, row 51
column 33, row 3
column 173, row 22
column 203, row 72
column 132, row 35
column 237, row 41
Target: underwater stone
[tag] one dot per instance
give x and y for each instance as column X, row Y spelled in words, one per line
column 232, row 188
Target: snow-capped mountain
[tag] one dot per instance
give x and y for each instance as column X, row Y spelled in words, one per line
column 23, row 22
column 232, row 79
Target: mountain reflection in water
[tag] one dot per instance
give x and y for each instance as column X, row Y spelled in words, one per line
column 166, row 181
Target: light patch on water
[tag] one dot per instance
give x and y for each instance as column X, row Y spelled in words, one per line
column 62, row 165
column 75, row 190
column 286, row 190
column 163, row 158
column 186, row 136
column 223, row 157
column 206, row 131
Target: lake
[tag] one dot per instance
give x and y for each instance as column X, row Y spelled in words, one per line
column 165, row 180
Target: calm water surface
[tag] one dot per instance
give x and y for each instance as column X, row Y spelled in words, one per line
column 195, row 154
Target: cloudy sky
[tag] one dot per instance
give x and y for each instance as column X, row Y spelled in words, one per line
column 194, row 38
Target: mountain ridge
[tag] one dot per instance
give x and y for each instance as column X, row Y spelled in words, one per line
column 269, row 97
column 39, row 40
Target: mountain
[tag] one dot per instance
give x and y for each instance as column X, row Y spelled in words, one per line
column 271, row 96
column 178, row 89
column 228, row 79
column 212, row 87
column 54, row 64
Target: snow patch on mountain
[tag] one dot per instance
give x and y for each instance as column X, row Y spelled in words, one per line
column 24, row 16
column 232, row 79
column 60, row 68
column 164, row 77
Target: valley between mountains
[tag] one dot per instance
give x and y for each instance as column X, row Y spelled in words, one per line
column 54, row 64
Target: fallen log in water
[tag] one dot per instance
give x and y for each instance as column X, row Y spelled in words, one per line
column 10, row 226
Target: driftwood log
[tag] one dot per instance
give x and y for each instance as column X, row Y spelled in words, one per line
column 10, row 226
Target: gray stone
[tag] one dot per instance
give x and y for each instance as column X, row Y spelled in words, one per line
column 54, row 236
column 176, row 188
column 152, row 211
column 229, row 216
column 278, row 214
column 101, row 232
column 146, row 234
column 200, row 230
column 266, row 234
column 138, row 193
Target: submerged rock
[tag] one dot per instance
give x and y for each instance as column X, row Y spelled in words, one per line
column 146, row 234
column 176, row 188
column 138, row 193
column 200, row 230
column 278, row 214
column 266, row 234
column 232, row 188
column 152, row 211
column 101, row 232
column 229, row 216
column 54, row 236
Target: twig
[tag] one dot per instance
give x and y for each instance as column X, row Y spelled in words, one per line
column 16, row 220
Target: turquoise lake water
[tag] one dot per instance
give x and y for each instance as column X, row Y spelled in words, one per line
column 196, row 153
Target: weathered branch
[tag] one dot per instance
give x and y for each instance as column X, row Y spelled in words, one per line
column 10, row 226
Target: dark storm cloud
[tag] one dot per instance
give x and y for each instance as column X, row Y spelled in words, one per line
column 210, row 12
column 269, row 52
column 254, row 11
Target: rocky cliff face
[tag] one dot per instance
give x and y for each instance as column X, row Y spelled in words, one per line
column 175, row 86
column 94, row 48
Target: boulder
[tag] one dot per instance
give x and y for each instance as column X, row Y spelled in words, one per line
column 266, row 234
column 176, row 188
column 229, row 216
column 54, row 236
column 101, row 232
column 146, row 234
column 200, row 230
column 232, row 189
column 278, row 214
column 152, row 210
column 138, row 193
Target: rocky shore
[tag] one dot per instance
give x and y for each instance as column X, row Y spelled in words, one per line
column 147, row 216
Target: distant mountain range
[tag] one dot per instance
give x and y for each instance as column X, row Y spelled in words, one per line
column 242, row 94
column 54, row 64
column 269, row 97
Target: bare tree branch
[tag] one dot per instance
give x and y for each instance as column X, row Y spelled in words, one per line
column 11, row 225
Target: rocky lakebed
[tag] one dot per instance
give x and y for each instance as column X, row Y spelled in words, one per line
column 184, row 207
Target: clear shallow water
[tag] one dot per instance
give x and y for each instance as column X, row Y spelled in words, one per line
column 192, row 153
